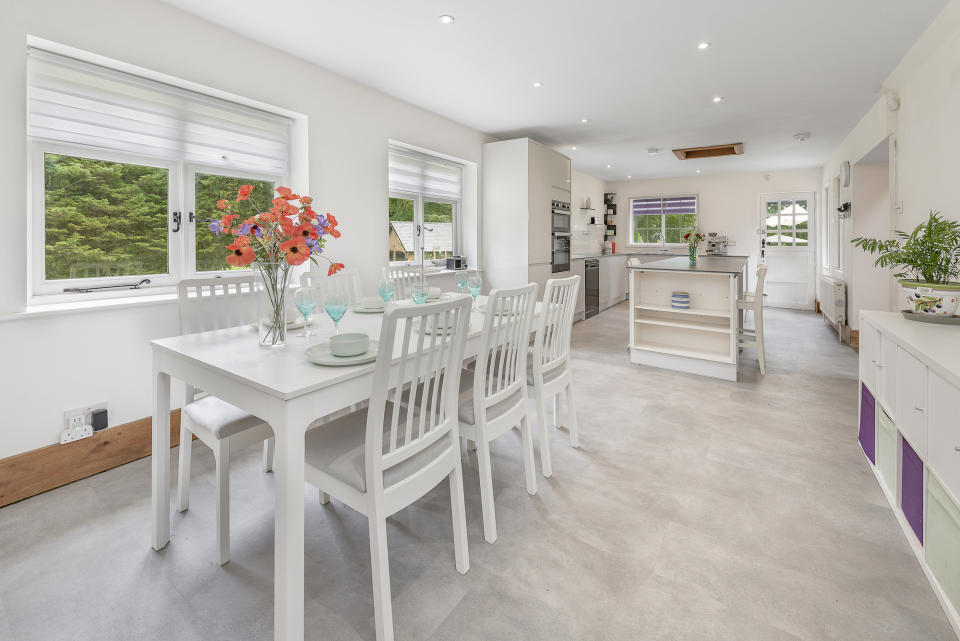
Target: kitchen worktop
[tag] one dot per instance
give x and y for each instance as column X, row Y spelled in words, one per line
column 626, row 253
column 706, row 264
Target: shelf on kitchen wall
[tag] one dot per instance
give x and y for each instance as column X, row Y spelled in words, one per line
column 720, row 313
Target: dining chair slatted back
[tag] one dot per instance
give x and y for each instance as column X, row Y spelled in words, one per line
column 404, row 279
column 551, row 346
column 429, row 341
column 349, row 279
column 216, row 303
column 754, row 303
column 501, row 368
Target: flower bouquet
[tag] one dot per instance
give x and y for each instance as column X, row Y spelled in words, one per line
column 286, row 235
column 693, row 239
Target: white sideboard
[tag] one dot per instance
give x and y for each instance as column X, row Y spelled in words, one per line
column 910, row 433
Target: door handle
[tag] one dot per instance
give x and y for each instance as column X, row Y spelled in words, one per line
column 918, row 408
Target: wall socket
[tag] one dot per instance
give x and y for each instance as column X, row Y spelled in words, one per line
column 76, row 418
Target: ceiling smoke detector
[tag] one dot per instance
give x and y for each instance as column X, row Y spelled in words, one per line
column 653, row 151
column 802, row 136
column 446, row 19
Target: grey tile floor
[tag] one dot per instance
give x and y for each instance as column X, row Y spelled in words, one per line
column 694, row 510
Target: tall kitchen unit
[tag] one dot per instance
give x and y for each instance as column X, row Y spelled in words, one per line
column 523, row 181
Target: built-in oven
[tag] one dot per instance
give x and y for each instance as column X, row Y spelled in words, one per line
column 560, row 214
column 560, row 257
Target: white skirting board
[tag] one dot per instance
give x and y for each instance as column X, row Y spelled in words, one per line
column 714, row 369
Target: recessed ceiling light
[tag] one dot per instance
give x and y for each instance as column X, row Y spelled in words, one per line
column 584, row 120
column 574, row 147
column 609, row 166
column 653, row 151
column 629, row 177
column 703, row 45
column 718, row 98
column 445, row 19
column 698, row 171
column 537, row 85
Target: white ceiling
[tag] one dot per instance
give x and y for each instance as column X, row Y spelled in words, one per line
column 631, row 67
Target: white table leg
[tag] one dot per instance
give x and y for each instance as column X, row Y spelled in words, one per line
column 288, row 524
column 160, row 460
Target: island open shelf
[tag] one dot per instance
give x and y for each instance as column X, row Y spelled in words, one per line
column 701, row 339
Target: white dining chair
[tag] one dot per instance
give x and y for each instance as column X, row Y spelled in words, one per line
column 549, row 362
column 493, row 398
column 207, row 304
column 406, row 441
column 404, row 278
column 349, row 279
column 753, row 301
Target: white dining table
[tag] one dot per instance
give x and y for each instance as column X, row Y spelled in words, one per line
column 287, row 391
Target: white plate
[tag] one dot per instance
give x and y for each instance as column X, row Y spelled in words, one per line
column 360, row 309
column 319, row 354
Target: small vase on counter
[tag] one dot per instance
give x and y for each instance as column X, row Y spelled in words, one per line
column 693, row 255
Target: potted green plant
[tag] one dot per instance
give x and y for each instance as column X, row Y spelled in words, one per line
column 927, row 260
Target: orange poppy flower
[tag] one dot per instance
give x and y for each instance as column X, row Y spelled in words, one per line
column 225, row 222
column 244, row 192
column 287, row 226
column 223, row 203
column 242, row 241
column 332, row 226
column 295, row 251
column 240, row 256
column 305, row 200
column 286, row 193
column 305, row 231
column 334, row 268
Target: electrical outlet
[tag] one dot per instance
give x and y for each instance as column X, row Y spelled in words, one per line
column 80, row 416
column 75, row 434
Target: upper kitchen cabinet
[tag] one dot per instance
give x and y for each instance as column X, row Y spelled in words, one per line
column 521, row 179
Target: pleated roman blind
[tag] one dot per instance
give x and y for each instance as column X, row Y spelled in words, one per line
column 410, row 171
column 664, row 206
column 73, row 101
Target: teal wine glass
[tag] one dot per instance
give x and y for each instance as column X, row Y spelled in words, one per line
column 305, row 299
column 462, row 277
column 336, row 305
column 420, row 293
column 475, row 284
column 387, row 289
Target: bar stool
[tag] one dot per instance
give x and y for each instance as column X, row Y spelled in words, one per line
column 753, row 301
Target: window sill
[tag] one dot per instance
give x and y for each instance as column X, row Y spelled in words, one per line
column 42, row 309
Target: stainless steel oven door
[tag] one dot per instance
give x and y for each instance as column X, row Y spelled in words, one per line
column 560, row 257
column 561, row 222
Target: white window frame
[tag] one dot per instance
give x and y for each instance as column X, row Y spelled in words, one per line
column 181, row 197
column 810, row 197
column 418, row 199
column 663, row 244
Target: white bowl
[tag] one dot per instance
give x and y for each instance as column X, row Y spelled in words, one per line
column 349, row 344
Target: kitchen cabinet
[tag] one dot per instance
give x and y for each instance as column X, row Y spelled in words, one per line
column 868, row 423
column 576, row 268
column 869, row 351
column 886, row 380
column 613, row 280
column 911, row 381
column 943, row 418
column 520, row 179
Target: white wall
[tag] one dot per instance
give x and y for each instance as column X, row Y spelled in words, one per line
column 728, row 203
column 55, row 363
column 868, row 286
column 581, row 186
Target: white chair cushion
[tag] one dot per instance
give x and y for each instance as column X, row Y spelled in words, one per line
column 466, row 400
column 337, row 448
column 553, row 374
column 219, row 417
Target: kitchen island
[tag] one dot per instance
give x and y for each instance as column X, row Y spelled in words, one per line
column 701, row 339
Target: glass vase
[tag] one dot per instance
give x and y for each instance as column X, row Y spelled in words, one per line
column 271, row 303
column 693, row 255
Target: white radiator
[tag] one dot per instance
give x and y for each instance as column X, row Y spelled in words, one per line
column 833, row 302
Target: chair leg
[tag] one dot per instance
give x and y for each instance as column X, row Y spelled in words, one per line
column 758, row 316
column 183, row 474
column 380, row 567
column 572, row 424
column 556, row 410
column 486, row 491
column 546, row 465
column 324, row 497
column 268, row 445
column 529, row 468
column 458, row 509
column 221, row 453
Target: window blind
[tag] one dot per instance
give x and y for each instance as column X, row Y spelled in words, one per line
column 73, row 101
column 665, row 206
column 410, row 171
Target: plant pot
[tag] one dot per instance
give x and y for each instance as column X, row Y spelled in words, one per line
column 931, row 299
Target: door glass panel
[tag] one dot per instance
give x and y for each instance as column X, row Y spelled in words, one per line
column 801, row 238
column 437, row 230
column 773, row 239
column 402, row 232
column 210, row 188
column 104, row 218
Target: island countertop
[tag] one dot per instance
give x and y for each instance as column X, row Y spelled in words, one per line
column 707, row 264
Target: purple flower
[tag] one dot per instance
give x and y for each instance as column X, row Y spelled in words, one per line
column 242, row 230
column 313, row 246
column 321, row 221
column 216, row 227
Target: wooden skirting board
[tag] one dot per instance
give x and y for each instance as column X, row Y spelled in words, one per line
column 31, row 473
column 855, row 339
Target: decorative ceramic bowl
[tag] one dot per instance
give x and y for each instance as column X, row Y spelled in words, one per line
column 929, row 299
column 349, row 344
